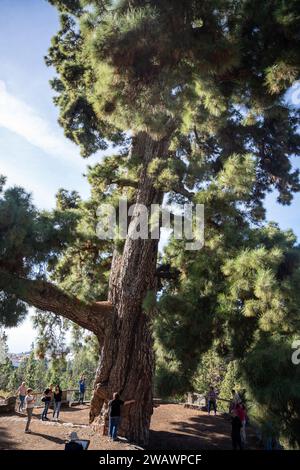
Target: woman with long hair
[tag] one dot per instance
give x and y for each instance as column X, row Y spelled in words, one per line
column 57, row 402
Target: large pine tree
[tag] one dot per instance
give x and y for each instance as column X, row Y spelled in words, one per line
column 188, row 91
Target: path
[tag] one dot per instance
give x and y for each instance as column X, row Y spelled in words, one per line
column 173, row 427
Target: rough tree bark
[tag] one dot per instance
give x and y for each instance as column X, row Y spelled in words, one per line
column 126, row 357
column 121, row 325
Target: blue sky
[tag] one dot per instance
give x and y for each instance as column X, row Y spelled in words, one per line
column 33, row 150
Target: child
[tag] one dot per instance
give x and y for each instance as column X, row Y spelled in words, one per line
column 29, row 402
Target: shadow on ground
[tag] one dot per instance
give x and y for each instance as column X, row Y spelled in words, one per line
column 5, row 441
column 57, row 440
column 199, row 432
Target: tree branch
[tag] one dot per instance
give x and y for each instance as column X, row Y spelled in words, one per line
column 47, row 297
column 125, row 182
column 180, row 189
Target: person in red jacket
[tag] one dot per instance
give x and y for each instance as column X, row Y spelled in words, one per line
column 115, row 414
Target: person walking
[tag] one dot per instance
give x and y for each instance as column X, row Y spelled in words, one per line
column 57, row 402
column 114, row 413
column 81, row 389
column 212, row 400
column 22, row 394
column 29, row 403
column 46, row 400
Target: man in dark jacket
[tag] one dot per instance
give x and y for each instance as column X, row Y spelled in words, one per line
column 114, row 413
column 72, row 445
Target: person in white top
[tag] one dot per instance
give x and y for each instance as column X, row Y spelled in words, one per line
column 29, row 402
column 22, row 393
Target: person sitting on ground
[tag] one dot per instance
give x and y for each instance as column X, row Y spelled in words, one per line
column 29, row 403
column 46, row 400
column 114, row 413
column 212, row 400
column 72, row 445
column 22, row 393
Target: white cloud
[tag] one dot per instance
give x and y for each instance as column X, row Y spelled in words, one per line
column 17, row 116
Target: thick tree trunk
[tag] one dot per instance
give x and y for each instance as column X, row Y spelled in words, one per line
column 121, row 324
column 126, row 358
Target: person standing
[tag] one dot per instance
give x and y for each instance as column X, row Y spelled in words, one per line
column 212, row 400
column 22, row 394
column 57, row 395
column 114, row 413
column 46, row 400
column 234, row 400
column 236, row 430
column 242, row 414
column 29, row 403
column 81, row 389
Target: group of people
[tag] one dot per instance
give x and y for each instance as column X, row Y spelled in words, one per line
column 27, row 399
column 237, row 410
column 52, row 394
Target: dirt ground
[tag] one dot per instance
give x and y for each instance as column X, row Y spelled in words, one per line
column 173, row 427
